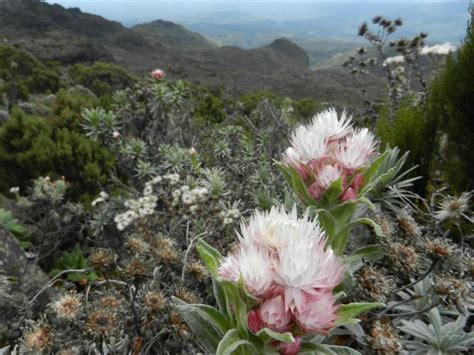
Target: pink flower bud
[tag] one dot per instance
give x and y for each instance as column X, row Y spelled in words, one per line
column 254, row 321
column 116, row 135
column 358, row 181
column 158, row 74
column 315, row 191
column 318, row 314
column 290, row 349
column 274, row 314
column 349, row 194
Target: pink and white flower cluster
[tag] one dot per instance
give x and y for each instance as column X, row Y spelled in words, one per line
column 283, row 261
column 157, row 74
column 330, row 148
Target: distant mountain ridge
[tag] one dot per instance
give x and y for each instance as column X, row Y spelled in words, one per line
column 52, row 32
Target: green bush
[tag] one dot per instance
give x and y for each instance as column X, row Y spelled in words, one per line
column 44, row 80
column 102, row 78
column 452, row 103
column 68, row 107
column 411, row 130
column 209, row 109
column 29, row 148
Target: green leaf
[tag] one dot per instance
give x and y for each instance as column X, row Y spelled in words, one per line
column 207, row 323
column 378, row 231
column 348, row 312
column 331, row 195
column 298, row 185
column 232, row 341
column 236, row 306
column 368, row 252
column 219, row 295
column 371, row 172
column 210, row 256
column 268, row 335
column 323, row 349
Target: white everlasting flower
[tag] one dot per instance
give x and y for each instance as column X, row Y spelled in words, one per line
column 329, row 126
column 176, row 193
column 188, row 198
column 357, row 149
column 306, row 145
column 454, row 207
column 396, row 60
column 304, row 264
column 234, row 213
column 276, row 228
column 14, row 190
column 173, row 178
column 184, row 188
column 255, row 266
column 148, row 190
column 156, row 180
column 228, row 220
column 438, row 49
column 327, row 175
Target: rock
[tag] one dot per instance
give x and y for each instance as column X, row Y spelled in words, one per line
column 33, row 108
column 81, row 90
column 29, row 281
column 4, row 116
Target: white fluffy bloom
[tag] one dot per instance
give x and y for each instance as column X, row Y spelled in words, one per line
column 396, row 60
column 327, row 175
column 173, row 178
column 255, row 269
column 357, row 149
column 304, row 264
column 438, row 49
column 306, row 145
column 188, row 198
column 276, row 228
column 14, row 190
column 148, row 190
column 329, row 126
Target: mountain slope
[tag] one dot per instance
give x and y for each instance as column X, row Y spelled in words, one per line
column 172, row 35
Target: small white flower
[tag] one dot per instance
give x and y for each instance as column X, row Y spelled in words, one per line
column 14, row 190
column 184, row 188
column 173, row 178
column 194, row 209
column 188, row 198
column 148, row 190
column 454, row 207
column 176, row 193
column 234, row 213
column 156, row 180
column 228, row 220
column 396, row 60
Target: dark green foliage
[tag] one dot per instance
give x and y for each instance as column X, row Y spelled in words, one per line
column 209, row 109
column 44, row 80
column 29, row 148
column 411, row 130
column 23, row 63
column 250, row 101
column 305, row 108
column 74, row 260
column 102, row 78
column 68, row 107
column 452, row 102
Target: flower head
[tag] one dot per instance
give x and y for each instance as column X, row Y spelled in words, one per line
column 67, row 306
column 274, row 314
column 317, row 314
column 158, row 74
column 454, row 207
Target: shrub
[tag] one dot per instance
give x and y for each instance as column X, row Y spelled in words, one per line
column 209, row 109
column 102, row 78
column 451, row 103
column 44, row 80
column 29, row 148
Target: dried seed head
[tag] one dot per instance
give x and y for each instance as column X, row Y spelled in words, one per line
column 377, row 19
column 198, row 270
column 374, row 284
column 102, row 258
column 438, row 249
column 175, row 319
column 109, row 302
column 166, row 250
column 408, row 224
column 384, row 338
column 70, row 350
column 67, row 306
column 186, row 295
column 154, row 301
column 101, row 322
column 403, row 256
column 38, row 339
column 385, row 224
column 363, row 29
column 137, row 245
column 136, row 269
column 453, row 291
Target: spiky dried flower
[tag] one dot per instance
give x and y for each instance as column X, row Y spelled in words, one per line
column 38, row 339
column 439, row 248
column 136, row 269
column 453, row 291
column 454, row 207
column 165, row 250
column 408, row 224
column 101, row 322
column 363, row 29
column 154, row 301
column 67, row 306
column 385, row 224
column 383, row 337
column 186, row 295
column 403, row 256
column 102, row 258
column 374, row 283
column 110, row 302
column 198, row 270
column 70, row 350
column 137, row 245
